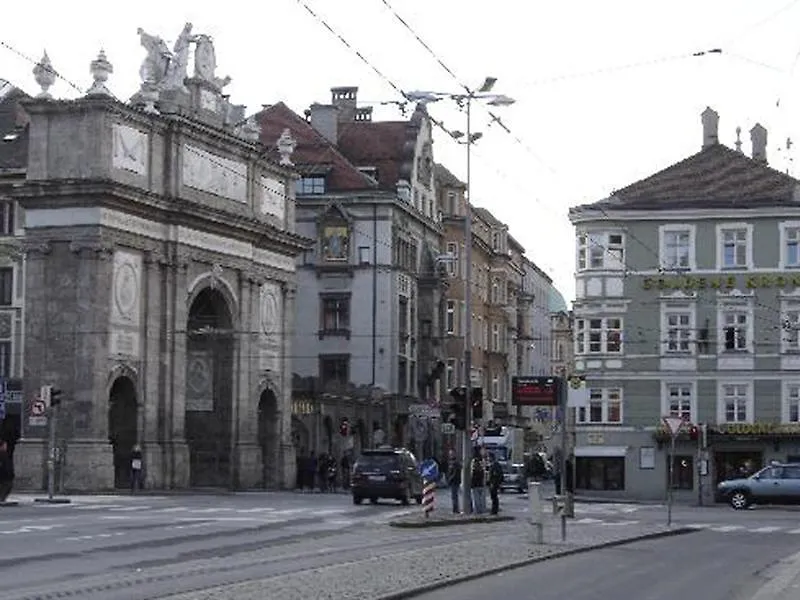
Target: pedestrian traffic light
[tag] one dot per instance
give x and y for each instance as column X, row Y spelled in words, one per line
column 459, row 407
column 477, row 403
column 55, row 397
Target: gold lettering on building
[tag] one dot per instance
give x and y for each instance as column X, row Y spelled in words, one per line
column 729, row 282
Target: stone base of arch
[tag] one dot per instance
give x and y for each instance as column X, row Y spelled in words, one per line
column 248, row 465
column 85, row 465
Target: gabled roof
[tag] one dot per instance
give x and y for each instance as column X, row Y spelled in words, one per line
column 313, row 153
column 446, row 178
column 715, row 177
column 13, row 130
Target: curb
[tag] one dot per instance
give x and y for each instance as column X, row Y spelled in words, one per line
column 449, row 522
column 437, row 585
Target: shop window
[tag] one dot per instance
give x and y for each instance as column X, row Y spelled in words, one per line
column 682, row 473
column 604, row 473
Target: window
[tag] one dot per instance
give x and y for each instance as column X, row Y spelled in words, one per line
column 451, row 202
column 735, row 330
column 495, row 388
column 452, row 264
column 677, row 245
column 678, row 327
column 5, row 358
column 334, row 369
column 790, row 245
column 450, row 373
column 605, row 406
column 790, row 326
column 495, row 290
column 6, row 286
column 734, row 246
column 679, row 401
column 735, row 403
column 363, row 255
column 335, row 315
column 682, row 473
column 596, row 473
column 7, row 224
column 601, row 251
column 791, row 403
column 598, row 336
column 495, row 337
column 450, row 318
column 310, row 185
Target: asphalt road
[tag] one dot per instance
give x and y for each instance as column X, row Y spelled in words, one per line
column 707, row 564
column 161, row 539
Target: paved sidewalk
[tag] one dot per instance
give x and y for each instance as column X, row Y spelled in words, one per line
column 785, row 583
column 401, row 574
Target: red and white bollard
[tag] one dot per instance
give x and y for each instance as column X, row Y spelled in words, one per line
column 428, row 497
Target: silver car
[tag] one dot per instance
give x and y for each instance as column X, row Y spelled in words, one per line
column 775, row 484
column 514, row 478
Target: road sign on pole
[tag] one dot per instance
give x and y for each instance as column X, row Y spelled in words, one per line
column 429, row 470
column 428, row 497
column 674, row 425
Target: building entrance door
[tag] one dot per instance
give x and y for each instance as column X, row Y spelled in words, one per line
column 122, row 428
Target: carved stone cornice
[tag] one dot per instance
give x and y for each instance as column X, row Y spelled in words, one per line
column 154, row 257
column 33, row 249
column 92, row 249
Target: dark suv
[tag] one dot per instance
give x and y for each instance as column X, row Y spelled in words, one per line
column 386, row 473
column 775, row 484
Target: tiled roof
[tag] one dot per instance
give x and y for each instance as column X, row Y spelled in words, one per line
column 715, row 177
column 313, row 153
column 445, row 178
column 379, row 144
column 13, row 131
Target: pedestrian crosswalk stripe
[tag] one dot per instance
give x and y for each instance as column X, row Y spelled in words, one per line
column 794, row 531
column 587, row 520
column 700, row 525
column 768, row 529
column 128, row 508
column 727, row 528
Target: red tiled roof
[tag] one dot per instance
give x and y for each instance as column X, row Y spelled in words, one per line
column 715, row 177
column 380, row 144
column 313, row 152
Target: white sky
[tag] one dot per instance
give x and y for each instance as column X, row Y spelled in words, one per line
column 607, row 92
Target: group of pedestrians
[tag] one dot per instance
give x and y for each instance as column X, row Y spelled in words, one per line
column 322, row 472
column 485, row 474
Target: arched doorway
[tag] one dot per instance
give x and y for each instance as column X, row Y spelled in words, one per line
column 268, row 437
column 209, row 389
column 122, row 427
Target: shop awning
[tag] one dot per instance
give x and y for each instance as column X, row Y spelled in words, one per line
column 601, row 451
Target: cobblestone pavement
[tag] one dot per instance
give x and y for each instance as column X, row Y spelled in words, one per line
column 385, row 575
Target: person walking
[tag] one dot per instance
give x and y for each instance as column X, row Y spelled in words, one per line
column 478, row 481
column 136, row 469
column 495, row 481
column 453, row 478
column 6, row 471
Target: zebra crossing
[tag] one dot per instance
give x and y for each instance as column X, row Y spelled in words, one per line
column 715, row 527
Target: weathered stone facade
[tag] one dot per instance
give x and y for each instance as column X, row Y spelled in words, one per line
column 159, row 281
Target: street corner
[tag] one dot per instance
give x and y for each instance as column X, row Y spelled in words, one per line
column 420, row 522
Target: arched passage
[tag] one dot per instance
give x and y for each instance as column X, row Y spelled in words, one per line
column 209, row 389
column 122, row 427
column 268, row 437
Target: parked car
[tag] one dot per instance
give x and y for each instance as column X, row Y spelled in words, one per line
column 514, row 478
column 775, row 484
column 386, row 473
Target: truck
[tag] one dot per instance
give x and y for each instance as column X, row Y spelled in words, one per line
column 507, row 444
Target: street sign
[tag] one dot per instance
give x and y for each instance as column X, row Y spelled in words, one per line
column 673, row 424
column 38, row 408
column 44, row 394
column 429, row 470
column 448, row 428
column 424, row 410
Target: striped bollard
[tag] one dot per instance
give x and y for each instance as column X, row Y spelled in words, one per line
column 428, row 497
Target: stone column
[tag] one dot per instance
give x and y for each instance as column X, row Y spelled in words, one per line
column 151, row 430
column 287, row 452
column 247, row 453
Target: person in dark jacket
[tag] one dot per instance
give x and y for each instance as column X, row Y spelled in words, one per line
column 453, row 478
column 6, row 471
column 495, row 481
column 478, row 481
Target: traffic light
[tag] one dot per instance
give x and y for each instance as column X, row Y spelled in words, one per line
column 459, row 406
column 344, row 427
column 55, row 396
column 477, row 403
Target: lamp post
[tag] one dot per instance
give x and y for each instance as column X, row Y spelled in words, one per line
column 465, row 99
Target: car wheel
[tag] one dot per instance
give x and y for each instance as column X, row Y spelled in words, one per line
column 740, row 500
column 373, row 500
column 357, row 499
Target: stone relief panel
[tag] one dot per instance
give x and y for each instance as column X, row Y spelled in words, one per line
column 199, row 381
column 214, row 174
column 126, row 293
column 273, row 197
column 270, row 314
column 130, row 149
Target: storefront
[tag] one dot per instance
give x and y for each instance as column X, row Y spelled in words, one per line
column 600, row 468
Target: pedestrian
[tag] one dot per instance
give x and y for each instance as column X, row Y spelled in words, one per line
column 136, row 469
column 478, row 481
column 453, row 478
column 6, row 471
column 300, row 465
column 322, row 473
column 331, row 474
column 495, row 481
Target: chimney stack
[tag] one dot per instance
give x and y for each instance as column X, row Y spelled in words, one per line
column 710, row 127
column 324, row 118
column 758, row 140
column 344, row 98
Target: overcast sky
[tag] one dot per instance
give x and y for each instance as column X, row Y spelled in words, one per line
column 607, row 92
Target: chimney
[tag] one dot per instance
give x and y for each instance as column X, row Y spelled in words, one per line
column 324, row 119
column 758, row 140
column 363, row 114
column 344, row 98
column 710, row 127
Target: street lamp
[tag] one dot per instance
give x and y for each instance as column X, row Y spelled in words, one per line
column 465, row 100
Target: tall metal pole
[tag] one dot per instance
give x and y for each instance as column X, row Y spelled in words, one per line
column 467, row 376
column 563, row 398
column 51, row 453
column 671, row 468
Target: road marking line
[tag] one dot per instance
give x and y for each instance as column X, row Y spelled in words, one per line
column 610, row 523
column 727, row 528
column 128, row 508
column 97, row 506
column 588, row 521
column 170, row 510
column 795, row 531
column 700, row 525
column 768, row 529
column 255, row 510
